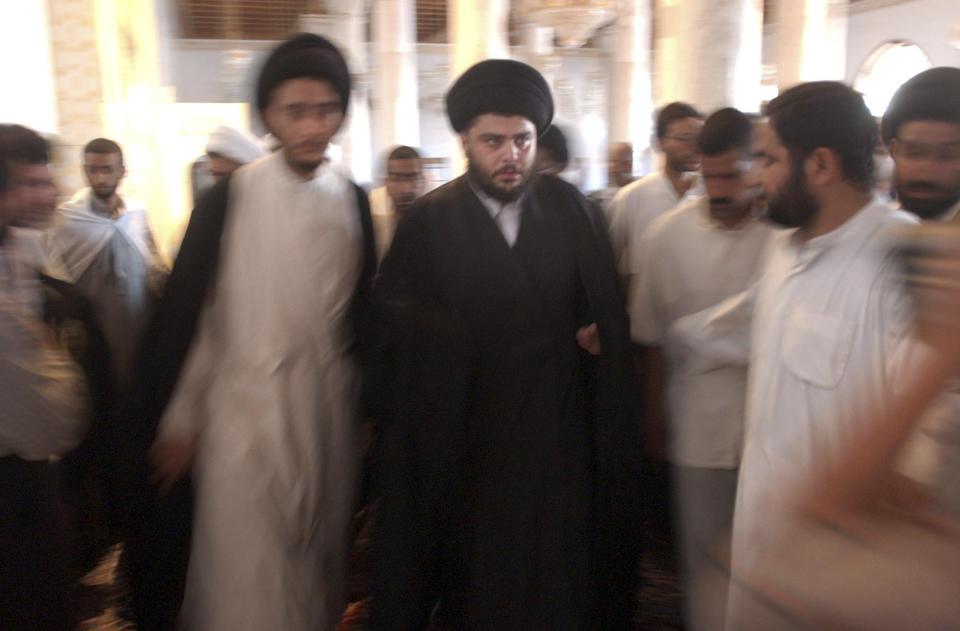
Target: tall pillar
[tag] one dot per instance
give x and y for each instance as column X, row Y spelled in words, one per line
column 708, row 53
column 631, row 101
column 395, row 92
column 343, row 24
column 31, row 95
column 811, row 40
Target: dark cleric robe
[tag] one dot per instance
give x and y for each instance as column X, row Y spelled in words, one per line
column 158, row 526
column 509, row 473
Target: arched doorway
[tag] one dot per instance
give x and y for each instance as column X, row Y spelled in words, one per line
column 886, row 69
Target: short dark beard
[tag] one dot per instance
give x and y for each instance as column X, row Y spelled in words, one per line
column 928, row 208
column 105, row 198
column 485, row 182
column 793, row 206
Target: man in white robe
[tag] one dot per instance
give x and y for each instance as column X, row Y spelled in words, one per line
column 105, row 243
column 262, row 401
column 826, row 325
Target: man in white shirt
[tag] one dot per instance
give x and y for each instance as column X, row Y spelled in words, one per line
column 695, row 256
column 41, row 402
column 824, row 327
column 639, row 203
column 403, row 185
column 922, row 129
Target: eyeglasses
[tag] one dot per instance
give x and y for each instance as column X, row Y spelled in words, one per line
column 688, row 139
column 937, row 152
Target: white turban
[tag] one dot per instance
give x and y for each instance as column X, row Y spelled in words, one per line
column 234, row 144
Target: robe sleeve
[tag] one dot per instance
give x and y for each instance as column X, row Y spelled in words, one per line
column 424, row 441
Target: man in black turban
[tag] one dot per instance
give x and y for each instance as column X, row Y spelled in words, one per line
column 509, row 468
column 922, row 129
column 244, row 395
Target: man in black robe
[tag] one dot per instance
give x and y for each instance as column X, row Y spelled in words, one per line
column 509, row 471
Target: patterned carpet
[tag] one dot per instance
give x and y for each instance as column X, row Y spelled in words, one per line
column 101, row 594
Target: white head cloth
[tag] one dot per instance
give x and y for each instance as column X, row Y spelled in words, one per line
column 234, row 144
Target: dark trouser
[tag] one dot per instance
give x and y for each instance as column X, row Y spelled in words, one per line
column 34, row 554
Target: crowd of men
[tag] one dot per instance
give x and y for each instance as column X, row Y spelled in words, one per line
column 522, row 357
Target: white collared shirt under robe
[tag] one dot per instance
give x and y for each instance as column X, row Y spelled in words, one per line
column 268, row 388
column 115, row 263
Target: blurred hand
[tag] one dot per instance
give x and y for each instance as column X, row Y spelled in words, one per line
column 171, row 459
column 589, row 339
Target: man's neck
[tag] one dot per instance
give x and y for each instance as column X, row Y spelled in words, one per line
column 836, row 208
column 109, row 207
column 680, row 180
column 304, row 173
column 734, row 222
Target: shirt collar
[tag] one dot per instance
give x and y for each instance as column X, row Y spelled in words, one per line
column 495, row 207
column 863, row 220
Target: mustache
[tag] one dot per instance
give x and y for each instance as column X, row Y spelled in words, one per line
column 922, row 186
column 508, row 167
column 721, row 201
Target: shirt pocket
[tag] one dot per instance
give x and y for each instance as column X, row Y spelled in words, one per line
column 817, row 347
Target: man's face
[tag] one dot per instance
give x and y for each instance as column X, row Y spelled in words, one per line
column 104, row 172
column 679, row 144
column 726, row 177
column 304, row 114
column 926, row 156
column 404, row 182
column 789, row 201
column 501, row 151
column 620, row 165
column 220, row 166
column 31, row 197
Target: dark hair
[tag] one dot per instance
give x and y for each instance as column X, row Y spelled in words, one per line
column 19, row 144
column 555, row 142
column 827, row 114
column 725, row 130
column 403, row 152
column 673, row 112
column 304, row 56
column 103, row 145
column 932, row 95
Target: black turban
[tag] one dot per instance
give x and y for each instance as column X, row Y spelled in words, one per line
column 932, row 95
column 305, row 56
column 500, row 86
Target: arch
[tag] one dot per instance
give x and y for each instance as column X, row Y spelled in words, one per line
column 885, row 70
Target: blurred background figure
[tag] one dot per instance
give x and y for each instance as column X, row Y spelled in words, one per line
column 619, row 174
column 404, row 183
column 553, row 154
column 694, row 256
column 229, row 148
column 42, row 408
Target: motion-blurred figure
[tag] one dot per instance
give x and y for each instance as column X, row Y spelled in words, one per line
column 404, row 185
column 41, row 400
column 695, row 256
column 619, row 174
column 229, row 148
column 249, row 378
column 553, row 155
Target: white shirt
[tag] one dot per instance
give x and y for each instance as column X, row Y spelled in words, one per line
column 505, row 215
column 691, row 263
column 635, row 206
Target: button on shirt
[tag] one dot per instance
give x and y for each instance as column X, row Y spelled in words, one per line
column 691, row 263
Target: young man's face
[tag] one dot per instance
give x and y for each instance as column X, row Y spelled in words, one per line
column 304, row 114
column 926, row 156
column 404, row 182
column 104, row 172
column 501, row 151
column 725, row 177
column 679, row 144
column 31, row 196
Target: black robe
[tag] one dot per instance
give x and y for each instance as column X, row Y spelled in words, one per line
column 509, row 473
column 157, row 532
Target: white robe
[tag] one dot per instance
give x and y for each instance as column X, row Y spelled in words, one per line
column 828, row 334
column 268, row 388
column 115, row 263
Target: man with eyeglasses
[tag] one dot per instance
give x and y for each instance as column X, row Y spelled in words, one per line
column 403, row 185
column 248, row 380
column 639, row 203
column 922, row 129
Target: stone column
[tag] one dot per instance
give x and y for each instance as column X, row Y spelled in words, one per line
column 630, row 97
column 708, row 53
column 395, row 90
column 811, row 40
column 343, row 24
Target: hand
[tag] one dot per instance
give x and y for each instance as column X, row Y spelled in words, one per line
column 171, row 458
column 589, row 339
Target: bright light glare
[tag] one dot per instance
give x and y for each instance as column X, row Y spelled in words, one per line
column 886, row 70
